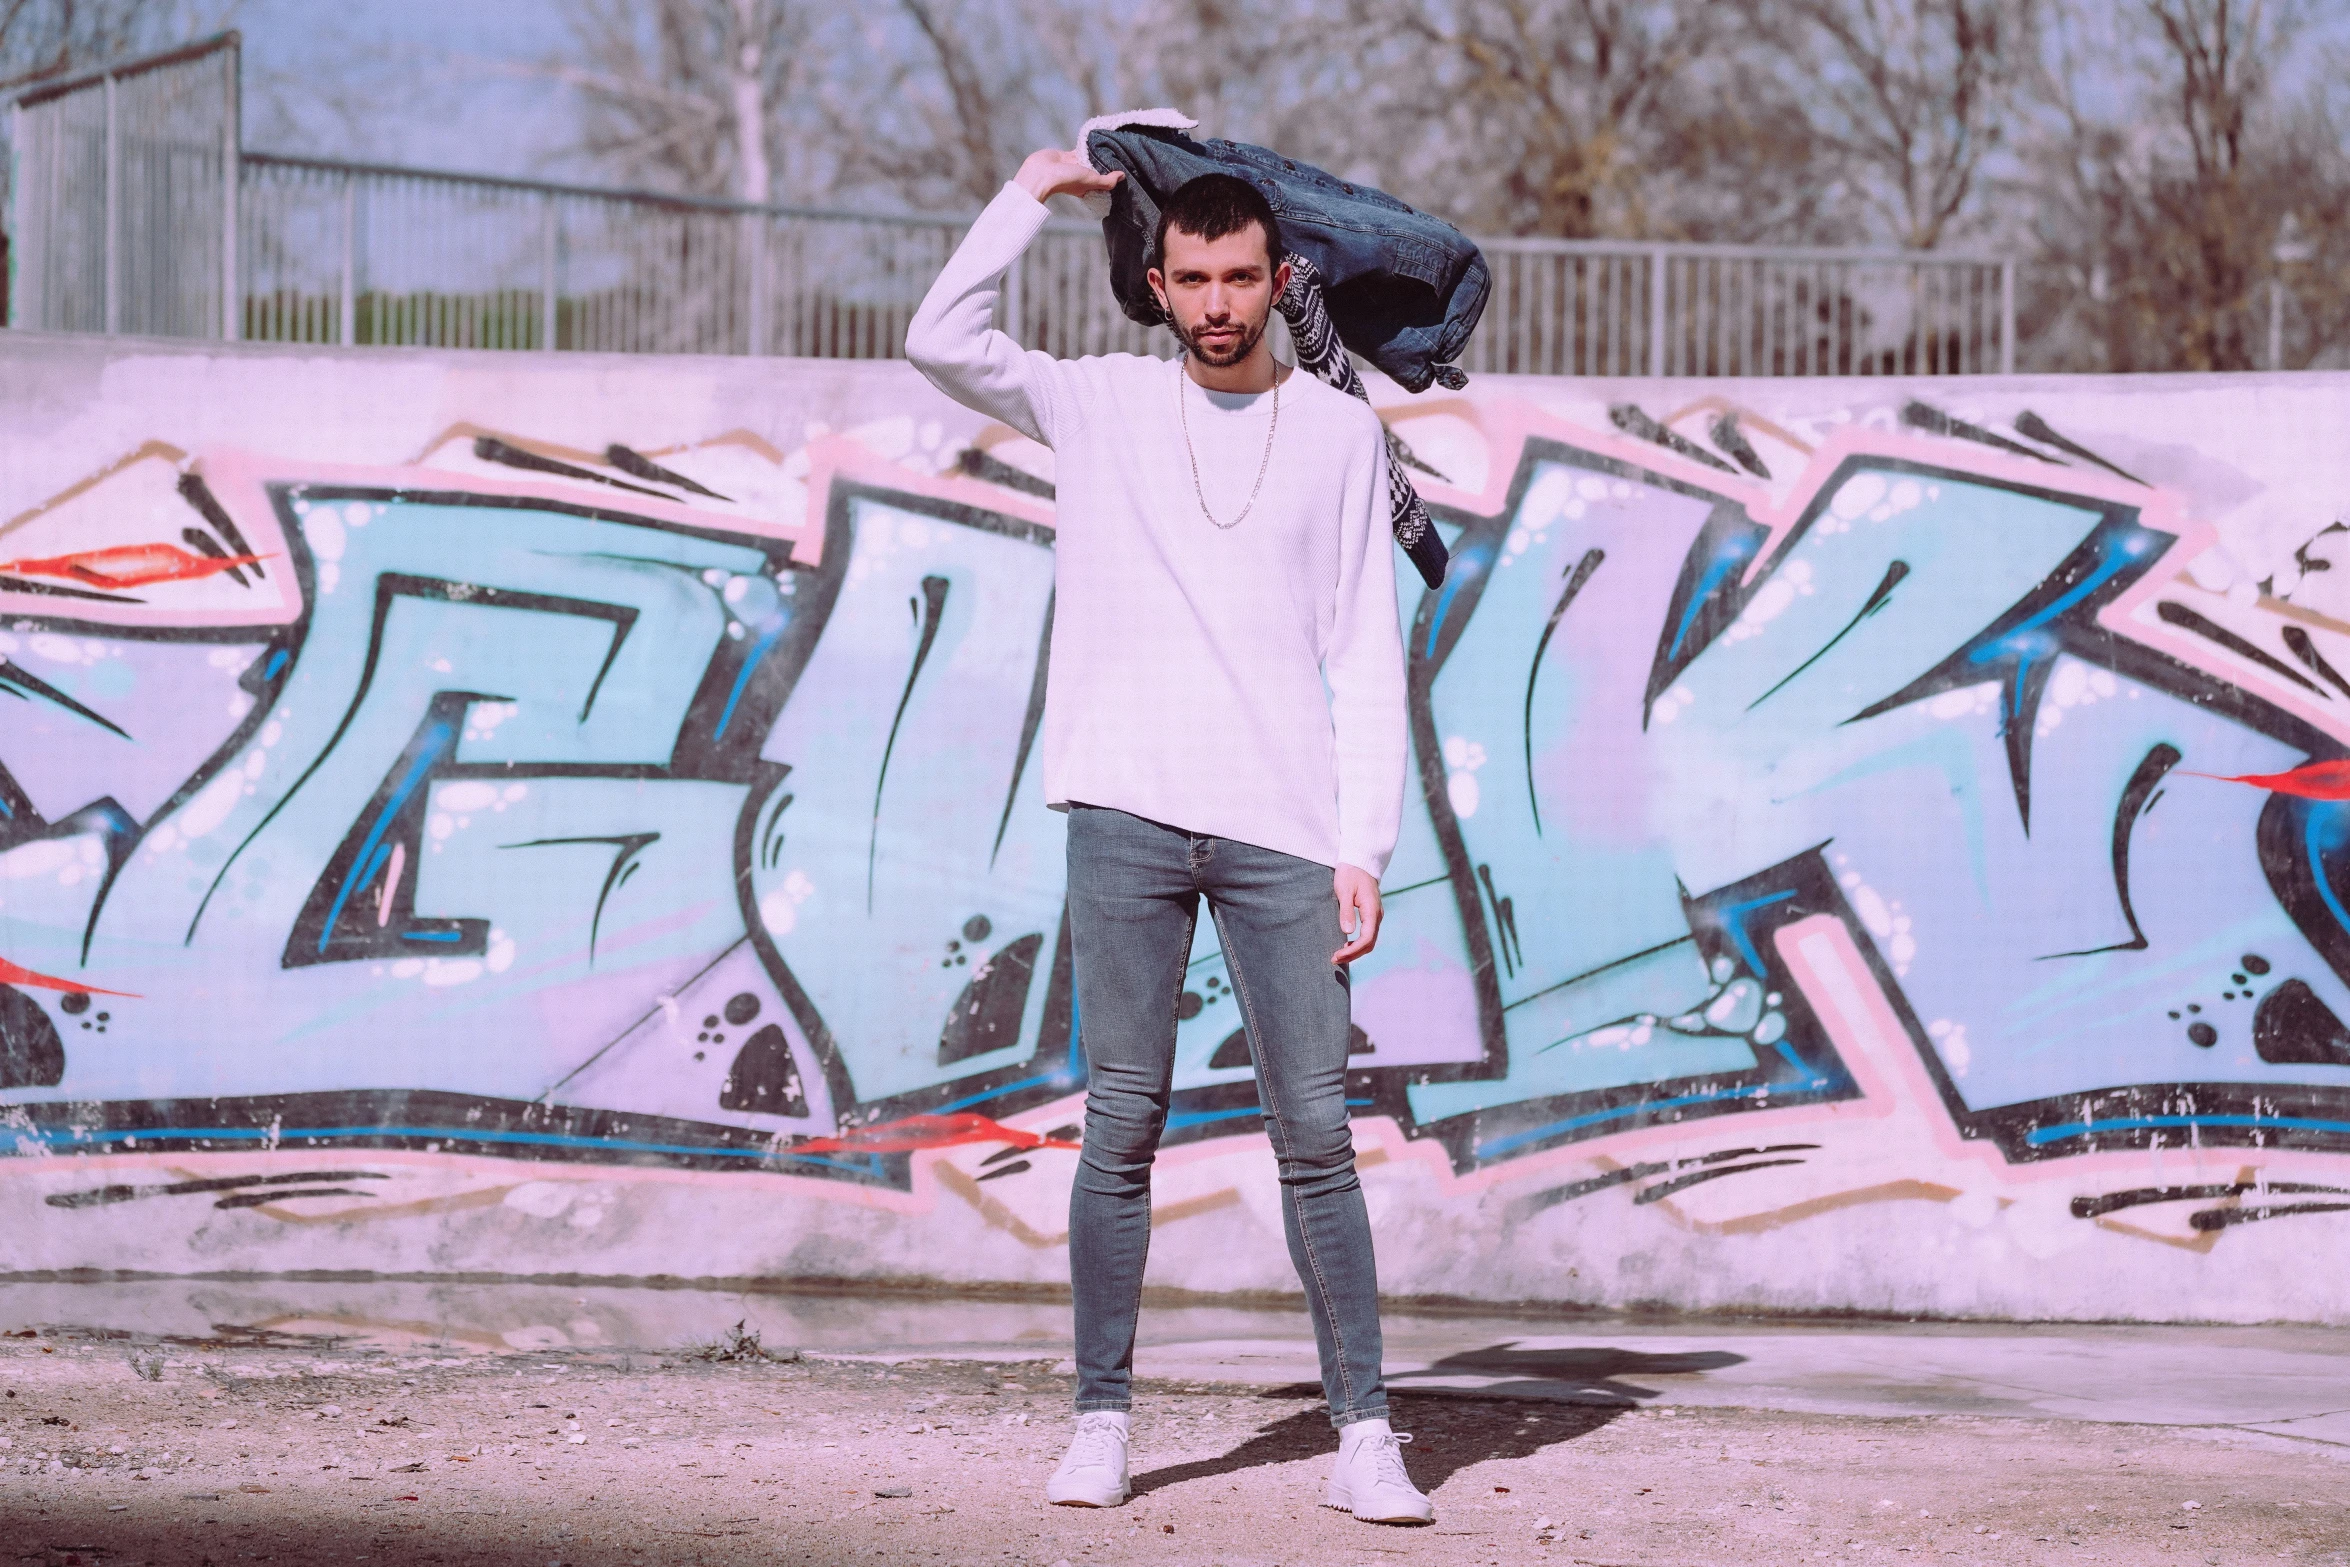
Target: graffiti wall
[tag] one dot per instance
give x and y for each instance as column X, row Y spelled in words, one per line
column 1871, row 846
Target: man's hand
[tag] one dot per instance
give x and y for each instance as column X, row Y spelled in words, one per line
column 1358, row 912
column 1056, row 171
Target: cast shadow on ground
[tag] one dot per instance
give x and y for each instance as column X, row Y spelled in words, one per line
column 1584, row 1376
column 1449, row 1433
column 1551, row 1396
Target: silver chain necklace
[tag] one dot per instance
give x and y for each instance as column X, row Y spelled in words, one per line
column 1183, row 417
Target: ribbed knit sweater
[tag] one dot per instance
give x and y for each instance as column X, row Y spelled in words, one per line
column 1242, row 682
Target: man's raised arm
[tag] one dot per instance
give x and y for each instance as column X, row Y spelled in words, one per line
column 953, row 341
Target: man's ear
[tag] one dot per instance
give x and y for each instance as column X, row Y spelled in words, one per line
column 1158, row 283
column 1281, row 279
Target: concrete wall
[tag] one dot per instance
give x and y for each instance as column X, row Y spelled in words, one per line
column 1863, row 855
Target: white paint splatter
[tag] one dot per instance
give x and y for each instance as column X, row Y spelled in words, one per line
column 470, row 795
column 1966, row 701
column 1772, row 599
column 1857, row 495
column 211, row 804
column 323, row 527
column 778, row 913
column 56, row 649
column 1461, row 788
column 42, row 857
column 780, row 909
column 1669, row 706
column 1950, row 1040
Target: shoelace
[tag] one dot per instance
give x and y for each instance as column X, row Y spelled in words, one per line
column 1387, row 1458
column 1096, row 1444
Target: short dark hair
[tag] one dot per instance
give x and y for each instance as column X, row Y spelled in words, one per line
column 1211, row 206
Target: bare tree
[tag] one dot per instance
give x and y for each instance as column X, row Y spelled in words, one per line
column 951, row 94
column 1536, row 116
column 694, row 96
column 1247, row 69
column 1908, row 98
column 44, row 38
column 2176, row 213
column 2143, row 148
column 928, row 103
column 1578, row 118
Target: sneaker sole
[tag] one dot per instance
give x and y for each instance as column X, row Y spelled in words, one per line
column 1344, row 1503
column 1087, row 1501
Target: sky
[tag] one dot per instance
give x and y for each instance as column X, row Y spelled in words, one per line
column 428, row 83
column 447, row 84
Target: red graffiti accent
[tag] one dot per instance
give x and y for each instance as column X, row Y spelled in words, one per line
column 2313, row 781
column 128, row 565
column 10, row 974
column 929, row 1131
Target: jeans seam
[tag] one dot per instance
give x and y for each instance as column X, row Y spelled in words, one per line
column 1183, row 972
column 1289, row 1193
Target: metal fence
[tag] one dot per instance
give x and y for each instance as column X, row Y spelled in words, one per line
column 131, row 179
column 354, row 253
column 124, row 197
column 1564, row 307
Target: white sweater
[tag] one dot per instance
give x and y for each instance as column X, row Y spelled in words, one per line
column 1187, row 680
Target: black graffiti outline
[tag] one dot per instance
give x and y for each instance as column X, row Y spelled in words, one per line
column 1576, row 575
column 627, row 847
column 2137, row 798
column 14, row 675
column 1702, row 616
column 1055, row 1056
column 927, row 618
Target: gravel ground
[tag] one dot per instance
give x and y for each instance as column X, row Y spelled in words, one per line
column 296, row 1451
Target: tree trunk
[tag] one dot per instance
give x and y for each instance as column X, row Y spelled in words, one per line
column 754, row 180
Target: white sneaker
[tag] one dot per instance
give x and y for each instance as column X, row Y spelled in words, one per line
column 1369, row 1480
column 1094, row 1473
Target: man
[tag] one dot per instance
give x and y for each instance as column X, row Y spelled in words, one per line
column 1224, row 717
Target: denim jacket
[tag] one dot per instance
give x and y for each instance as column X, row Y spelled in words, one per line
column 1404, row 289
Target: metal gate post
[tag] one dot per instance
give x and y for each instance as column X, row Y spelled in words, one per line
column 25, row 241
column 2007, row 318
column 232, row 179
column 1656, row 312
column 350, row 302
column 550, row 235
column 754, row 253
column 113, row 175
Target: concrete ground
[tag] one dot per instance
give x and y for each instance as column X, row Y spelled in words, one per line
column 1598, row 1442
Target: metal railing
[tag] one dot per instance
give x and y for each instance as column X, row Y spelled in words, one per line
column 1604, row 308
column 132, row 176
column 356, row 253
column 124, row 197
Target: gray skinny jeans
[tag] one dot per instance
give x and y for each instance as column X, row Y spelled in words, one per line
column 1134, row 894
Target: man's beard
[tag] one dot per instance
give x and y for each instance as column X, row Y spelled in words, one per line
column 1233, row 353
